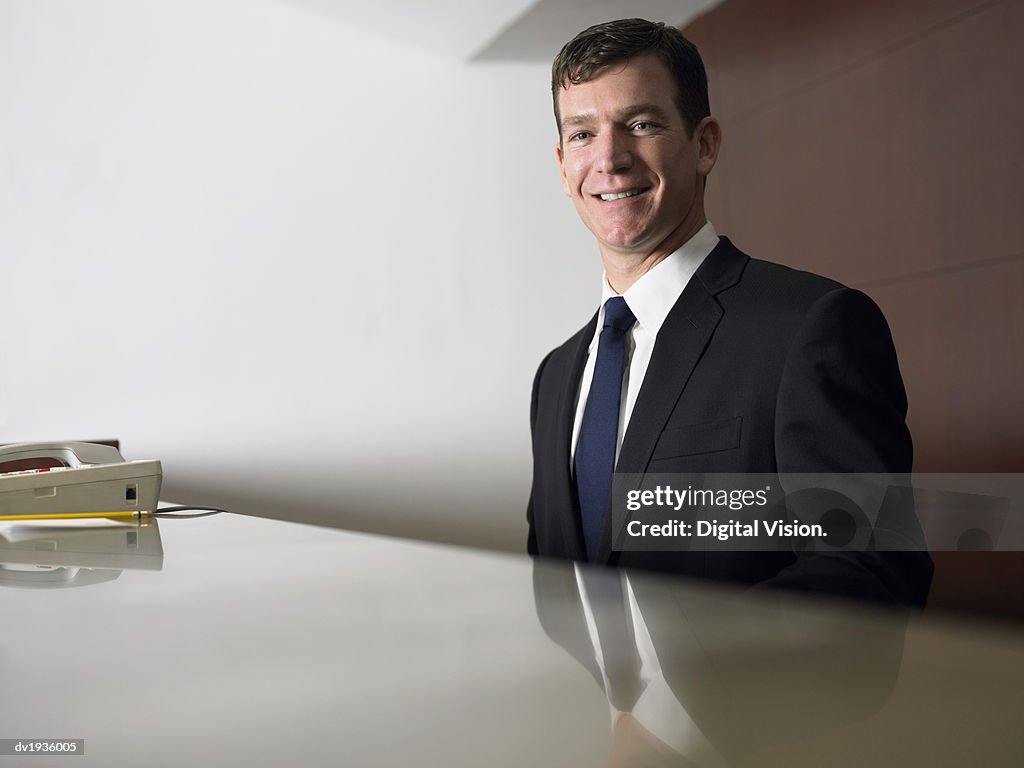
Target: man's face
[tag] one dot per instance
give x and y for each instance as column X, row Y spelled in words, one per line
column 634, row 173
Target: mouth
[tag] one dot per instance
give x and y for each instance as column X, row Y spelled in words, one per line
column 608, row 197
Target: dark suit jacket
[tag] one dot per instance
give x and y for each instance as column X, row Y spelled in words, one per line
column 758, row 368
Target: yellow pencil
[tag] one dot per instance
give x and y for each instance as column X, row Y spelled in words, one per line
column 73, row 516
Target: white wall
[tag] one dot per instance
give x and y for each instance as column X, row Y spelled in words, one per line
column 311, row 269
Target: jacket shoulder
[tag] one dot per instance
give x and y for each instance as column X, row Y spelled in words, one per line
column 796, row 282
column 759, row 286
column 564, row 355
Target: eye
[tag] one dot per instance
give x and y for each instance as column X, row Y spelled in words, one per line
column 643, row 126
column 580, row 136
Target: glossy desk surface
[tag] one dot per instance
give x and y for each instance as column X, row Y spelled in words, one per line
column 255, row 642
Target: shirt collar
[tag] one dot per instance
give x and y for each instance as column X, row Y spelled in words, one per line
column 654, row 294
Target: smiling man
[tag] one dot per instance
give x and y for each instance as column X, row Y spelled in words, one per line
column 699, row 359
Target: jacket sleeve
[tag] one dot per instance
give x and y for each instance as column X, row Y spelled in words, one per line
column 531, row 539
column 841, row 409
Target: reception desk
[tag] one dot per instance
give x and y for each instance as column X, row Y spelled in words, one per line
column 231, row 640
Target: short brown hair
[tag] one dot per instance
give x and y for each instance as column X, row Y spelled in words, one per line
column 593, row 49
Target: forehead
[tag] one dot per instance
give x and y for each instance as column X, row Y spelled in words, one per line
column 642, row 80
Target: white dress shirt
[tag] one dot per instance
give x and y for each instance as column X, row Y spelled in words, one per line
column 650, row 299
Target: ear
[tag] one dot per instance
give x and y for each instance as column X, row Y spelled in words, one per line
column 561, row 168
column 708, row 134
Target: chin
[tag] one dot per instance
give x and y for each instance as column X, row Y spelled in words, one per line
column 625, row 244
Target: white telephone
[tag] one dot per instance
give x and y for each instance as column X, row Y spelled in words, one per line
column 61, row 478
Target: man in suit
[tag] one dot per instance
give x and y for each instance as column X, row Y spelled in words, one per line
column 699, row 359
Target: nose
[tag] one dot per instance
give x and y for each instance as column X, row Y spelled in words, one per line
column 614, row 154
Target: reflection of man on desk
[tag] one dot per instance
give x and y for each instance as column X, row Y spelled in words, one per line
column 699, row 359
column 697, row 676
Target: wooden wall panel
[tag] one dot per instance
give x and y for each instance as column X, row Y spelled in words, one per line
column 961, row 349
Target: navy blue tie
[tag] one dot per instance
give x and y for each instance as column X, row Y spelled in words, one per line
column 599, row 430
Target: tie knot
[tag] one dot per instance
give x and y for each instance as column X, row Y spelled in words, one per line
column 617, row 314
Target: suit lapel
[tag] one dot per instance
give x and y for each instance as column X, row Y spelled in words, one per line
column 681, row 342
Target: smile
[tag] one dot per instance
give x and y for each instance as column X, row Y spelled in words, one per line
column 620, row 195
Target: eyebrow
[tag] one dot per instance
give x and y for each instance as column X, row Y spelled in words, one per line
column 631, row 111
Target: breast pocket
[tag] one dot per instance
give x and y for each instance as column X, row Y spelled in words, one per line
column 694, row 439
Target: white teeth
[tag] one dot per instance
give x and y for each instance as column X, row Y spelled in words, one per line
column 620, row 195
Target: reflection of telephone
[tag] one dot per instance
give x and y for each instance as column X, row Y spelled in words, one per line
column 57, row 558
column 57, row 478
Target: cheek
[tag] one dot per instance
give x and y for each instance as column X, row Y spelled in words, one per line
column 574, row 173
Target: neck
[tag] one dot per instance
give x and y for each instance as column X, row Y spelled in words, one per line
column 623, row 268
